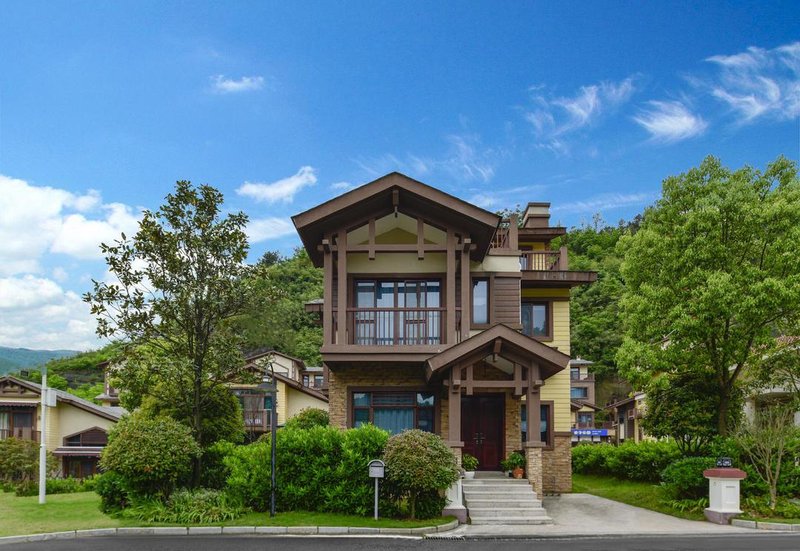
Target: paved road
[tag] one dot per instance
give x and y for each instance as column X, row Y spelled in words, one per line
column 739, row 542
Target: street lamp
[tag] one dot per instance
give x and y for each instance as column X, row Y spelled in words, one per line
column 269, row 386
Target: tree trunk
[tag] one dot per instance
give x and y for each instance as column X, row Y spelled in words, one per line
column 724, row 406
column 197, row 421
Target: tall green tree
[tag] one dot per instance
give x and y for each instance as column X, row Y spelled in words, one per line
column 714, row 268
column 180, row 281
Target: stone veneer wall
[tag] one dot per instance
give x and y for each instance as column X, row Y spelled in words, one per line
column 557, row 465
column 513, row 424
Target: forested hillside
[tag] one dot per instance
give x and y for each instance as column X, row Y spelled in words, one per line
column 14, row 359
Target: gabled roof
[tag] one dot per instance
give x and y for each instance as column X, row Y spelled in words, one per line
column 512, row 345
column 377, row 198
column 112, row 414
column 578, row 405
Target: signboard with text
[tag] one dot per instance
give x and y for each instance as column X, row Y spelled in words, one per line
column 590, row 432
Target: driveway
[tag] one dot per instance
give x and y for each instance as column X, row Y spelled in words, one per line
column 588, row 515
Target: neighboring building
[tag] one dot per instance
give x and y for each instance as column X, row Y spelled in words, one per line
column 628, row 415
column 296, row 390
column 586, row 427
column 299, row 387
column 768, row 397
column 441, row 316
column 77, row 430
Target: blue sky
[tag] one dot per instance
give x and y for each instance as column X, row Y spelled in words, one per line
column 282, row 105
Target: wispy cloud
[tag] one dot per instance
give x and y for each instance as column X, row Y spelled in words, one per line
column 224, row 85
column 342, row 186
column 263, row 229
column 758, row 82
column 282, row 190
column 555, row 116
column 504, row 198
column 604, row 202
column 670, row 121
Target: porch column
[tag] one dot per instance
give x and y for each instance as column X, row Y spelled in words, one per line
column 455, row 506
column 450, row 286
column 466, row 293
column 341, row 306
column 534, row 444
column 327, row 292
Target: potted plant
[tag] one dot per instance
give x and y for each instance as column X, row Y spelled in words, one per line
column 470, row 463
column 515, row 462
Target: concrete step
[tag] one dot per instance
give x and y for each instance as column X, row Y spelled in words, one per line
column 515, row 521
column 507, row 504
column 499, row 496
column 503, row 513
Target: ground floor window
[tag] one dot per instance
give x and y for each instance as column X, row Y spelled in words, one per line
column 394, row 411
column 545, row 424
column 80, row 467
column 578, row 393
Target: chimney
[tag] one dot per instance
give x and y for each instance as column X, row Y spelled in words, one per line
column 537, row 215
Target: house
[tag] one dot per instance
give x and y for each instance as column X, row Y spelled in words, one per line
column 299, row 387
column 587, row 425
column 441, row 316
column 627, row 415
column 77, row 430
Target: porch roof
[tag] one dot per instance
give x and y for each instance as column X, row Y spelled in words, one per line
column 505, row 342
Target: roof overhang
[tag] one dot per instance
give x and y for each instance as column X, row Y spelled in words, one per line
column 380, row 198
column 558, row 278
column 505, row 342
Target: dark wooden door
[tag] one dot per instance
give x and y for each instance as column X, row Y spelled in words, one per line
column 482, row 429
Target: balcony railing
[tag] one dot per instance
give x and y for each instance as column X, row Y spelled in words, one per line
column 257, row 420
column 582, row 378
column 543, row 260
column 395, row 326
column 22, row 433
column 507, row 235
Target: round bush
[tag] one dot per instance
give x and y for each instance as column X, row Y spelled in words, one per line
column 684, row 479
column 150, row 453
column 110, row 486
column 418, row 467
column 308, row 418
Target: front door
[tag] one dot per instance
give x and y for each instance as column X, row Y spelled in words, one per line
column 482, row 429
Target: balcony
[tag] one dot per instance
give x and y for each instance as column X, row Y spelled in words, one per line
column 22, row 433
column 544, row 261
column 395, row 326
column 257, row 420
column 582, row 378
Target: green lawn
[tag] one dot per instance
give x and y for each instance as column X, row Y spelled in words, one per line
column 24, row 515
column 640, row 494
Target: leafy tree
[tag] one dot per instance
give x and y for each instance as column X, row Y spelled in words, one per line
column 307, row 418
column 277, row 317
column 151, row 454
column 181, row 280
column 713, row 269
column 765, row 441
column 19, row 460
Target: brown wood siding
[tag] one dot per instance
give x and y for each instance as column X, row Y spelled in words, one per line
column 505, row 298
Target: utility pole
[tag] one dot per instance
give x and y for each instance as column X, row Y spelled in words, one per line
column 43, row 441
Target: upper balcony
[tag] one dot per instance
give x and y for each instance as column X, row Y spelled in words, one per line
column 20, row 433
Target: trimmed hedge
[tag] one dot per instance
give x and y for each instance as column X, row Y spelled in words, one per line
column 644, row 461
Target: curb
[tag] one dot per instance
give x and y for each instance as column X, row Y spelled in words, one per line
column 233, row 530
column 758, row 525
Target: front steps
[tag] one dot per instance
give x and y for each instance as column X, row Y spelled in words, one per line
column 493, row 498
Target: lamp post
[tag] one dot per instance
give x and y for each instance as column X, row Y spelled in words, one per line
column 43, row 441
column 269, row 386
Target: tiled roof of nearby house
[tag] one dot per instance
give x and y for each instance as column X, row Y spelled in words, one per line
column 266, row 351
column 113, row 414
column 299, row 387
column 578, row 405
column 576, row 362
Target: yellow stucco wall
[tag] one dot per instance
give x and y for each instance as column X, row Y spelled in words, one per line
column 72, row 420
column 300, row 400
column 396, row 263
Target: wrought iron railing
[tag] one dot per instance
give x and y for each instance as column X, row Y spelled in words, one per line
column 23, row 433
column 257, row 419
column 395, row 326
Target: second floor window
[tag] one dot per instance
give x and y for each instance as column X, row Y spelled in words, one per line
column 536, row 319
column 480, row 301
column 389, row 312
column 579, row 393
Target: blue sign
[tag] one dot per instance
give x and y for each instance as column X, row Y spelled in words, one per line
column 590, row 432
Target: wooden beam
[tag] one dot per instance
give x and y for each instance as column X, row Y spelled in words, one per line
column 372, row 239
column 513, row 232
column 326, row 245
column 420, row 239
column 533, row 403
column 395, row 248
column 498, row 346
column 454, row 414
column 341, row 311
column 450, row 304
column 517, row 380
column 470, row 379
column 466, row 295
column 466, row 244
column 327, row 293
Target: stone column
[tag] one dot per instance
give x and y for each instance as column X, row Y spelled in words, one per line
column 533, row 457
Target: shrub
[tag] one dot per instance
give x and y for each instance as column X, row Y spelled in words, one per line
column 113, row 492
column 418, row 466
column 19, row 460
column 591, row 458
column 309, row 418
column 643, row 461
column 188, row 507
column 52, row 486
column 469, row 462
column 515, row 460
column 684, row 480
column 150, row 453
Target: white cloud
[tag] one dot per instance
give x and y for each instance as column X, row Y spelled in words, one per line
column 670, row 121
column 224, row 85
column 281, row 191
column 606, row 201
column 759, row 82
column 60, row 274
column 38, row 313
column 552, row 116
column 81, row 238
column 263, row 229
column 342, row 186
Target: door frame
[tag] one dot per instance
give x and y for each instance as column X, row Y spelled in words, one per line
column 501, row 399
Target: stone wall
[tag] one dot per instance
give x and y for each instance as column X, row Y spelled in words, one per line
column 557, row 465
column 513, row 424
column 533, row 469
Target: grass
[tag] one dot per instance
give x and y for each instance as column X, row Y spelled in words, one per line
column 640, row 494
column 81, row 511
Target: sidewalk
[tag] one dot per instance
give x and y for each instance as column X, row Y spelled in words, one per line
column 588, row 515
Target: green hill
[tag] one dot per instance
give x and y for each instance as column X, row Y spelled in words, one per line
column 14, row 359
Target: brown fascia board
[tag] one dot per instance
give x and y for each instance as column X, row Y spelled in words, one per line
column 549, row 359
column 547, row 233
column 329, row 216
column 558, row 278
column 65, row 397
column 251, row 358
